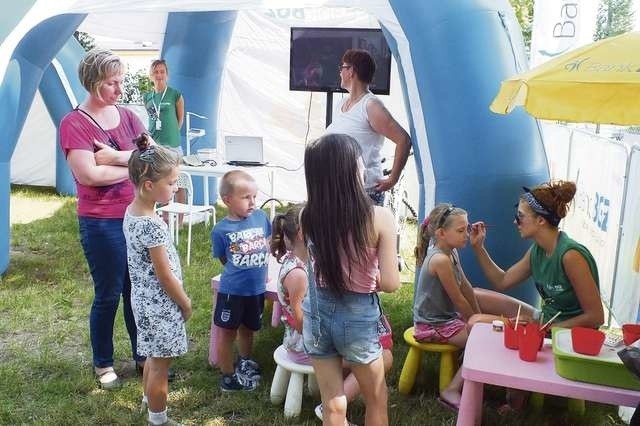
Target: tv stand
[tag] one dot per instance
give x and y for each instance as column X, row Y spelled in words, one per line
column 329, row 111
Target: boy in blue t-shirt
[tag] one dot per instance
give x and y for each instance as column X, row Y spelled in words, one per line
column 241, row 242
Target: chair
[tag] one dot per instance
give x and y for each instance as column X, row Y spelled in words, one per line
column 288, row 381
column 175, row 209
column 414, row 357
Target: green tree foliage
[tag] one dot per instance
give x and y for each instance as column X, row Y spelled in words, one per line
column 85, row 40
column 134, row 85
column 524, row 13
column 614, row 17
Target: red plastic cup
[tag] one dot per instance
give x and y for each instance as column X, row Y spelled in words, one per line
column 587, row 341
column 529, row 342
column 630, row 333
column 510, row 335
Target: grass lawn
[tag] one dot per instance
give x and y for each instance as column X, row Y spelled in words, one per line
column 46, row 376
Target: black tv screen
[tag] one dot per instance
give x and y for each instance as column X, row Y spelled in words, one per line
column 316, row 54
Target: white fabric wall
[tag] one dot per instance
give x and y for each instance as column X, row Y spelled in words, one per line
column 556, row 141
column 254, row 103
column 34, row 159
column 256, row 100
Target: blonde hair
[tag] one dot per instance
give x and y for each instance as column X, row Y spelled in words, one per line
column 440, row 217
column 150, row 162
column 98, row 65
column 231, row 179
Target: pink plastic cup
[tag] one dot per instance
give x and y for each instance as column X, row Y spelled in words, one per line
column 529, row 342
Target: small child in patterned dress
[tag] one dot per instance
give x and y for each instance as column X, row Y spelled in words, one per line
column 289, row 249
column 160, row 304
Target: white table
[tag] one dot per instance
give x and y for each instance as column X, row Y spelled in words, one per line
column 219, row 170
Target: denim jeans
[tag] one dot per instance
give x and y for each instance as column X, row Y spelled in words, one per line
column 105, row 249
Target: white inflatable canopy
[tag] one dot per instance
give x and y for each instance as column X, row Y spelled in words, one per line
column 251, row 103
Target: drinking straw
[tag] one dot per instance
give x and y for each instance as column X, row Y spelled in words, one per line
column 505, row 320
column 549, row 322
column 518, row 316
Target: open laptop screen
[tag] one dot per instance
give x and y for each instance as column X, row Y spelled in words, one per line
column 243, row 149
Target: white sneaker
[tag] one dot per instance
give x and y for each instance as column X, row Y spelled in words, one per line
column 318, row 411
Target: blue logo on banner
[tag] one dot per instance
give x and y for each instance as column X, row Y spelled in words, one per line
column 601, row 211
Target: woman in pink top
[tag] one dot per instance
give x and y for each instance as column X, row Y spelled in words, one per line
column 96, row 139
column 352, row 255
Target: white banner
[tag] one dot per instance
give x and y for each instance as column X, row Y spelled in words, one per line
column 626, row 296
column 597, row 165
column 560, row 26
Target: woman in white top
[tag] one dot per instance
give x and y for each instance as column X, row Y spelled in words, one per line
column 364, row 117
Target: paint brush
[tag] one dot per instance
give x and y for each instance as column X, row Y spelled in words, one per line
column 518, row 316
column 546, row 324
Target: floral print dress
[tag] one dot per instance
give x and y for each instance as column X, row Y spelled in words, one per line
column 161, row 328
column 292, row 340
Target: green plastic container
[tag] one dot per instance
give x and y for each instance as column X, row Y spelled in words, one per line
column 604, row 369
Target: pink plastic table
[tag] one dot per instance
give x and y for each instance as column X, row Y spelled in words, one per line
column 486, row 360
column 270, row 294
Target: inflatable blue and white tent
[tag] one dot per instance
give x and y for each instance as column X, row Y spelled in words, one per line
column 451, row 57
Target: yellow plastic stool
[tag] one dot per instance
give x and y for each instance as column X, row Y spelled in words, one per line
column 448, row 364
column 576, row 407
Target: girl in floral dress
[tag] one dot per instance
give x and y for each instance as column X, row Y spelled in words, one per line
column 160, row 304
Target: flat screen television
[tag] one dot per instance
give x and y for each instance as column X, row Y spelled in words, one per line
column 316, row 54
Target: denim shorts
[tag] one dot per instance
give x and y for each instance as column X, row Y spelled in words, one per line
column 346, row 326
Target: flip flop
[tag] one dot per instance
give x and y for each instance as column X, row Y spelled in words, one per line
column 447, row 404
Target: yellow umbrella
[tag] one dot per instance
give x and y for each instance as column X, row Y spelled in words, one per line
column 597, row 83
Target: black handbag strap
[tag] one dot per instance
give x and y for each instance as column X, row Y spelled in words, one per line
column 110, row 140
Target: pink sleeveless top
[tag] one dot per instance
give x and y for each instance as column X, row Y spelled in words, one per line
column 363, row 277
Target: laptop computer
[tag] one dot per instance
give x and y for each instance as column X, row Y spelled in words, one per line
column 244, row 150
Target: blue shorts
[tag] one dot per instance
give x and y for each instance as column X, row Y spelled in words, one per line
column 232, row 310
column 348, row 327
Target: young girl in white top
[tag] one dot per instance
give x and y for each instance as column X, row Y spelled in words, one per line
column 444, row 299
column 287, row 246
column 160, row 304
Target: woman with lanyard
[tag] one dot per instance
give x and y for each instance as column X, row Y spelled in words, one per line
column 165, row 106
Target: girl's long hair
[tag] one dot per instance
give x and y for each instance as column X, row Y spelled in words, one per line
column 338, row 217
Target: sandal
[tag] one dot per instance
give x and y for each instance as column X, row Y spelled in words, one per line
column 107, row 378
column 447, row 404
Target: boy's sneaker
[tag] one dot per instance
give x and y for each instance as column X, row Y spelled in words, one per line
column 247, row 370
column 231, row 383
column 318, row 411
